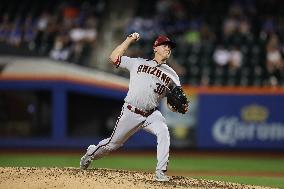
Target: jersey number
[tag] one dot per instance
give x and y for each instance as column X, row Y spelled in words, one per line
column 160, row 88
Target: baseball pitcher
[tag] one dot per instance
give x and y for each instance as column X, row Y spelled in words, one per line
column 150, row 81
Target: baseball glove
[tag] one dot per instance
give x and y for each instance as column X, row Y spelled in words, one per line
column 177, row 100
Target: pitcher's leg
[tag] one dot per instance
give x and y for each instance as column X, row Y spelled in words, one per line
column 156, row 125
column 127, row 124
column 112, row 143
column 98, row 151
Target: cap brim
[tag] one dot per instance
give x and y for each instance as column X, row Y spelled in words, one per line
column 172, row 44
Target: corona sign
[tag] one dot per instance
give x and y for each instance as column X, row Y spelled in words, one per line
column 241, row 121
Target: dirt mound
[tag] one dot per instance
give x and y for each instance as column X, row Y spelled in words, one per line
column 23, row 177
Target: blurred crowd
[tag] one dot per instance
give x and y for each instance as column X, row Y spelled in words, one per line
column 63, row 30
column 227, row 42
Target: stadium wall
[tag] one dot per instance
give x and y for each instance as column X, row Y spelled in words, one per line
column 219, row 117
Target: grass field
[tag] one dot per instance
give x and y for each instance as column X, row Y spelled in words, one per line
column 263, row 171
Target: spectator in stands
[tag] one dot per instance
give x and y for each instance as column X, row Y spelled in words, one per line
column 42, row 21
column 235, row 59
column 244, row 27
column 15, row 36
column 221, row 56
column 61, row 50
column 41, row 27
column 274, row 59
column 230, row 26
column 5, row 28
column 28, row 29
column 232, row 58
column 82, row 39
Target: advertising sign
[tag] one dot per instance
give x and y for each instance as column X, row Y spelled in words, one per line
column 241, row 121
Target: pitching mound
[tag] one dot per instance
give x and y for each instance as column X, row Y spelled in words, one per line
column 21, row 177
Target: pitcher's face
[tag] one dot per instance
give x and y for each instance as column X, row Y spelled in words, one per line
column 163, row 50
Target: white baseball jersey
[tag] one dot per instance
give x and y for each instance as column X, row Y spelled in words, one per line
column 148, row 81
column 148, row 84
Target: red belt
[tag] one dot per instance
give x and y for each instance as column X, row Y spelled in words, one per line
column 138, row 111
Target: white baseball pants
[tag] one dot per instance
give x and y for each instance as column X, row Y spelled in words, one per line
column 127, row 124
